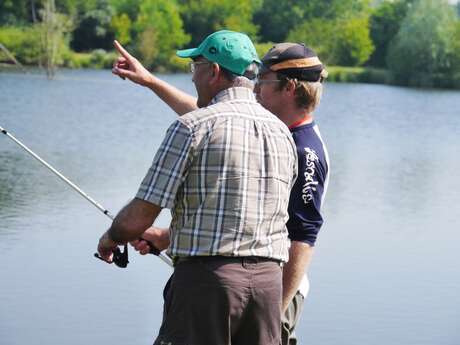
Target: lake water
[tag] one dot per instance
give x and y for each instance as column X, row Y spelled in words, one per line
column 387, row 265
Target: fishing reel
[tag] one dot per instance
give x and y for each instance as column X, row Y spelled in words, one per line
column 120, row 258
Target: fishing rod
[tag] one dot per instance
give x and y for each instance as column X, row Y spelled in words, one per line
column 119, row 258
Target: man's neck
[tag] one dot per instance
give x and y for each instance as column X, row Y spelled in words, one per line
column 303, row 121
column 218, row 88
column 294, row 117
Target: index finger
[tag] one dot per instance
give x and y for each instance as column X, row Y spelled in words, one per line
column 122, row 50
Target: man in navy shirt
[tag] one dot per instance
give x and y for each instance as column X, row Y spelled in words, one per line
column 290, row 86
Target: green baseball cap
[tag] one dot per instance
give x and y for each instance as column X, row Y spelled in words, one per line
column 231, row 50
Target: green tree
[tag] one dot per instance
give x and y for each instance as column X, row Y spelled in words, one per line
column 319, row 34
column 456, row 51
column 123, row 21
column 352, row 42
column 94, row 29
column 17, row 12
column 202, row 17
column 331, row 9
column 344, row 41
column 277, row 19
column 76, row 8
column 385, row 22
column 23, row 41
column 121, row 26
column 424, row 45
column 129, row 7
column 160, row 32
column 53, row 28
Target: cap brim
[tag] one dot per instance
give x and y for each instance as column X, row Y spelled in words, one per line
column 188, row 53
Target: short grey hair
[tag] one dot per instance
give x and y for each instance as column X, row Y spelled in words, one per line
column 247, row 79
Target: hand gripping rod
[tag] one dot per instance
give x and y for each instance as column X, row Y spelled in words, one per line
column 162, row 256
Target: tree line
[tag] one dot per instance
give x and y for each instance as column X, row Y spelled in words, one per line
column 418, row 41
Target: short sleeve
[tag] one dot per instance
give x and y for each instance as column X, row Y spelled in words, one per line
column 305, row 219
column 169, row 167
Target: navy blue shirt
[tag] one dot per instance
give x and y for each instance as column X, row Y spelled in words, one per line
column 308, row 192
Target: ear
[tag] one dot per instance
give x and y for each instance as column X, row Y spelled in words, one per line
column 215, row 73
column 290, row 86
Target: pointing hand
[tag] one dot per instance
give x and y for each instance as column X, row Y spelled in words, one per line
column 127, row 66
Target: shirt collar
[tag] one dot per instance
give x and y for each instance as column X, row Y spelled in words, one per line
column 234, row 93
column 304, row 126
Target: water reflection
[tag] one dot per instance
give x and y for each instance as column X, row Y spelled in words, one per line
column 385, row 270
column 15, row 182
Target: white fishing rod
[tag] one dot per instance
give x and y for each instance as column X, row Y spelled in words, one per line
column 162, row 256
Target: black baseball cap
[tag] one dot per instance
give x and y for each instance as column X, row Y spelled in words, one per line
column 294, row 60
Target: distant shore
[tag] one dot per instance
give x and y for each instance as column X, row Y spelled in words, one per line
column 339, row 74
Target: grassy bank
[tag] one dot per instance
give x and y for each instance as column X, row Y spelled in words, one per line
column 358, row 75
column 382, row 76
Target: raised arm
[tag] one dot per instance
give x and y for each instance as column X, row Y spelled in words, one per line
column 127, row 66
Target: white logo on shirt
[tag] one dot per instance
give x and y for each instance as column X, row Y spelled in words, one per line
column 310, row 184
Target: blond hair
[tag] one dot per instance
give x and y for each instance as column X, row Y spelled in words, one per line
column 307, row 94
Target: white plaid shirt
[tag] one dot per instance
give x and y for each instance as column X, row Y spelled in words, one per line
column 225, row 171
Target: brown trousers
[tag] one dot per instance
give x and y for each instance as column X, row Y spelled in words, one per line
column 223, row 301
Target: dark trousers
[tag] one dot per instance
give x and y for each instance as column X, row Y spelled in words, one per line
column 223, row 301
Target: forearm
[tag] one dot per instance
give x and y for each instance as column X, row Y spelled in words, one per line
column 299, row 259
column 127, row 66
column 176, row 99
column 133, row 220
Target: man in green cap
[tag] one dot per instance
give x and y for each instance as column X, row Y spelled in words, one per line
column 225, row 170
column 290, row 86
